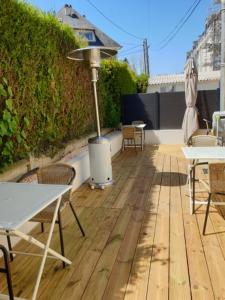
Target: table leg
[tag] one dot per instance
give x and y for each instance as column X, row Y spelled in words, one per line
column 35, row 242
column 193, row 190
column 190, row 186
column 46, row 250
column 45, row 247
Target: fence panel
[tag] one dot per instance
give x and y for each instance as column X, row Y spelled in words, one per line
column 143, row 107
column 166, row 110
column 171, row 107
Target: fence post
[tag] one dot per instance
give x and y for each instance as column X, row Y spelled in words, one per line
column 157, row 110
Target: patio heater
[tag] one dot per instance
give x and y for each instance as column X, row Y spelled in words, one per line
column 99, row 147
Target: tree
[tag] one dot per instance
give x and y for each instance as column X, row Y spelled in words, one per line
column 142, row 83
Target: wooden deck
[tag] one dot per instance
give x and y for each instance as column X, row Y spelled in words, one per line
column 141, row 241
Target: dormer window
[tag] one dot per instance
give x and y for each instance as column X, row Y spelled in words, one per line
column 88, row 35
column 74, row 16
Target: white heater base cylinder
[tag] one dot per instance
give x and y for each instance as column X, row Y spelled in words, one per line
column 100, row 162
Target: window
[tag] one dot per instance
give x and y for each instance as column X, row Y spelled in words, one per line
column 88, row 35
column 74, row 16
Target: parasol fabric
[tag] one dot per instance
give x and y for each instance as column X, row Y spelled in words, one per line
column 190, row 121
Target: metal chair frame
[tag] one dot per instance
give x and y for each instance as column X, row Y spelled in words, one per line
column 6, row 271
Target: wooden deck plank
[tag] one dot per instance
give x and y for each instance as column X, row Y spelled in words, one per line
column 81, row 274
column 218, row 223
column 141, row 184
column 201, row 287
column 99, row 279
column 159, row 271
column 117, row 283
column 112, row 197
column 179, row 285
column 138, row 279
column 212, row 248
column 141, row 241
column 95, row 223
column 151, row 204
column 214, row 257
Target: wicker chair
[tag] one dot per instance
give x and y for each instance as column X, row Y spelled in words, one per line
column 6, row 270
column 203, row 141
column 199, row 141
column 215, row 186
column 52, row 174
column 129, row 136
column 206, row 131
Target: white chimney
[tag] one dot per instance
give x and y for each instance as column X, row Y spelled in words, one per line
column 67, row 10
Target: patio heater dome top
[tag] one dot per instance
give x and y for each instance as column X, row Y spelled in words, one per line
column 92, row 54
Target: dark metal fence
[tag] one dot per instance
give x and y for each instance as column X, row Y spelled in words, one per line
column 166, row 110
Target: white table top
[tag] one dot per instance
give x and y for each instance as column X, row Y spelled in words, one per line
column 206, row 153
column 141, row 126
column 19, row 202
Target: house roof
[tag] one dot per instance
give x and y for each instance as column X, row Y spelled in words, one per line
column 179, row 78
column 70, row 16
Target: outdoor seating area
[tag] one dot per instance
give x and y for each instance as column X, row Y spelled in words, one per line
column 112, row 177
column 141, row 242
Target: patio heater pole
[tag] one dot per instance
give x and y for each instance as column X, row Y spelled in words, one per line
column 222, row 70
column 94, row 80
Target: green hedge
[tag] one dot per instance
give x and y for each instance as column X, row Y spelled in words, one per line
column 116, row 79
column 53, row 94
column 46, row 99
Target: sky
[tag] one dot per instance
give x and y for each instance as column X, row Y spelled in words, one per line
column 150, row 19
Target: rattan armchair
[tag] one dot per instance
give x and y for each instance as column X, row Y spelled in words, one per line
column 52, row 174
column 128, row 136
column 203, row 141
column 199, row 141
column 215, row 187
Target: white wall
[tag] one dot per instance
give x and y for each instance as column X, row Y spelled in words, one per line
column 179, row 87
column 171, row 136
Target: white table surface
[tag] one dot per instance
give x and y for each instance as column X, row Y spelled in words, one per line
column 19, row 202
column 141, row 126
column 207, row 153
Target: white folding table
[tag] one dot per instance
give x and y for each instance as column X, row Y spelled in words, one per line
column 203, row 154
column 19, row 202
column 141, row 128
